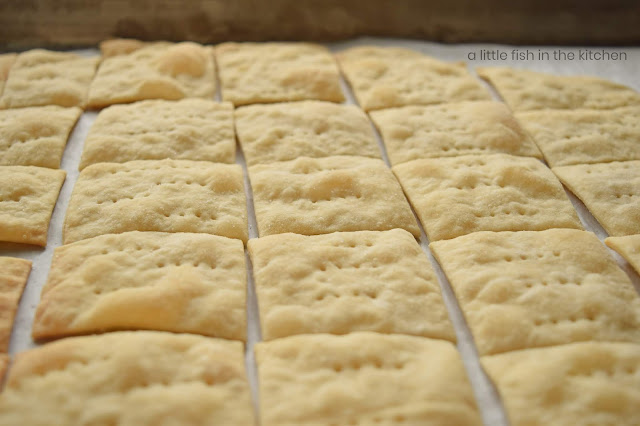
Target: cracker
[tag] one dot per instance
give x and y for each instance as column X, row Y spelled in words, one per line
column 27, row 198
column 526, row 90
column 185, row 283
column 523, row 290
column 286, row 131
column 4, row 363
column 387, row 77
column 347, row 281
column 611, row 192
column 591, row 383
column 41, row 77
column 14, row 273
column 189, row 129
column 163, row 195
column 459, row 195
column 157, row 71
column 277, row 72
column 363, row 378
column 35, row 136
column 129, row 378
column 6, row 61
column 322, row 195
column 450, row 130
column 628, row 247
column 584, row 135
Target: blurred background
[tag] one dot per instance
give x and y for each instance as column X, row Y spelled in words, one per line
column 78, row 23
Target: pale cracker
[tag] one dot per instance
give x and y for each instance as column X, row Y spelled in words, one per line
column 365, row 379
column 590, row 383
column 163, row 195
column 35, row 136
column 286, row 131
column 4, row 363
column 41, row 77
column 522, row 290
column 182, row 282
column 459, row 195
column 322, row 195
column 156, row 71
column 129, row 378
column 450, row 130
column 277, row 72
column 525, row 90
column 189, row 129
column 14, row 273
column 628, row 247
column 611, row 192
column 6, row 61
column 584, row 135
column 387, row 77
column 347, row 281
column 27, row 197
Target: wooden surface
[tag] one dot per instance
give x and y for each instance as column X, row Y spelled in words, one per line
column 67, row 23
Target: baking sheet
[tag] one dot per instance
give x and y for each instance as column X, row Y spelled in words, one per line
column 622, row 71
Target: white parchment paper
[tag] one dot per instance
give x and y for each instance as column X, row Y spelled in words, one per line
column 622, row 71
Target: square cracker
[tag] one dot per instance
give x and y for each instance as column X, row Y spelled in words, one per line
column 157, row 71
column 522, row 290
column 27, row 197
column 286, row 131
column 584, row 135
column 347, row 281
column 129, row 378
column 459, row 195
column 450, row 130
column 14, row 273
column 6, row 61
column 189, row 129
column 253, row 73
column 35, row 136
column 386, row 77
column 628, row 247
column 611, row 192
column 363, row 378
column 41, row 77
column 163, row 195
column 322, row 195
column 590, row 383
column 526, row 90
column 184, row 283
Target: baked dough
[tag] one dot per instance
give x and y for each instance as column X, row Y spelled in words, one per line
column 14, row 273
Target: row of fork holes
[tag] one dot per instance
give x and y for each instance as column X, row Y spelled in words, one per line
column 355, row 293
